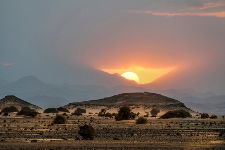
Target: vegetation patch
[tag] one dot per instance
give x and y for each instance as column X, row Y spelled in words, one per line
column 87, row 132
column 27, row 111
column 79, row 111
column 59, row 119
column 204, row 115
column 141, row 120
column 9, row 109
column 154, row 112
column 125, row 114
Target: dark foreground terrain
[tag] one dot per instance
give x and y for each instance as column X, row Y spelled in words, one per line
column 40, row 134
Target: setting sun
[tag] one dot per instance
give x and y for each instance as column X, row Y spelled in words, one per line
column 140, row 75
column 131, row 76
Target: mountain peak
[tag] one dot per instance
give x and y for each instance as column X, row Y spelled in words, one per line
column 12, row 100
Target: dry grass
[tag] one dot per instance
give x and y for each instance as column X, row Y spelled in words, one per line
column 29, row 133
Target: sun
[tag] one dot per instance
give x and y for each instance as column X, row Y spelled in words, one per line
column 139, row 74
column 131, row 76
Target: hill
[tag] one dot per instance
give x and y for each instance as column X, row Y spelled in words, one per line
column 12, row 100
column 145, row 100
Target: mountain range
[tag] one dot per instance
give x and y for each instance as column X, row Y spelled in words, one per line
column 47, row 95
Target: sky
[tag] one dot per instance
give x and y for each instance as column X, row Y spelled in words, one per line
column 73, row 41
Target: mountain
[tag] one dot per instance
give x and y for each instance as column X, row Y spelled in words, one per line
column 141, row 99
column 207, row 102
column 12, row 100
column 54, row 95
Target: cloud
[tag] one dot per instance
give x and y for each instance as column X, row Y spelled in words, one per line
column 6, row 64
column 219, row 14
column 209, row 5
column 208, row 9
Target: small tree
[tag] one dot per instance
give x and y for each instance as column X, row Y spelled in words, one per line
column 154, row 112
column 124, row 114
column 87, row 132
column 141, row 120
column 9, row 109
column 213, row 117
column 27, row 111
column 79, row 111
column 102, row 112
column 204, row 115
column 59, row 119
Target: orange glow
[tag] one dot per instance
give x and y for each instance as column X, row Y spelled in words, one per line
column 131, row 76
column 144, row 75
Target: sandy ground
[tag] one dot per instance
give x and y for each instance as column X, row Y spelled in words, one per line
column 39, row 134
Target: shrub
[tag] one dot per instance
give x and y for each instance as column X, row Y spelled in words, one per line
column 27, row 111
column 59, row 119
column 176, row 114
column 9, row 109
column 79, row 111
column 102, row 112
column 87, row 132
column 51, row 110
column 124, row 114
column 154, row 112
column 62, row 109
column 213, row 117
column 141, row 120
column 204, row 115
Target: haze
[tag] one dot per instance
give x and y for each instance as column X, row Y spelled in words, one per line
column 69, row 42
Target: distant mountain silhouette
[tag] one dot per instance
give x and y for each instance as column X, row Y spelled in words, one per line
column 134, row 99
column 12, row 100
column 49, row 95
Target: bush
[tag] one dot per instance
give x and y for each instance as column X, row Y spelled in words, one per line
column 61, row 109
column 213, row 117
column 79, row 111
column 141, row 120
column 27, row 111
column 9, row 109
column 154, row 112
column 124, row 114
column 59, row 119
column 204, row 115
column 176, row 114
column 51, row 110
column 87, row 132
column 102, row 113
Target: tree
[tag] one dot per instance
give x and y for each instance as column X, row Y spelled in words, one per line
column 102, row 112
column 154, row 112
column 27, row 111
column 124, row 113
column 204, row 115
column 87, row 132
column 213, row 117
column 79, row 111
column 59, row 119
column 9, row 109
column 176, row 114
